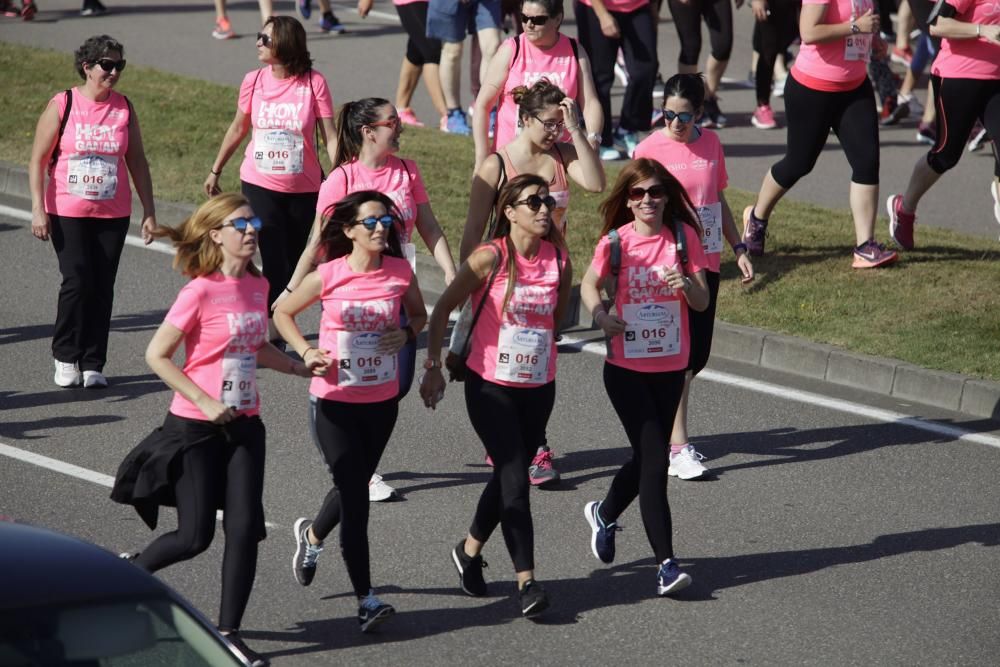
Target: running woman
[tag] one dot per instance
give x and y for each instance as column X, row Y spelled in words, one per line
column 828, row 89
column 209, row 453
column 966, row 82
column 362, row 285
column 694, row 156
column 520, row 282
column 650, row 346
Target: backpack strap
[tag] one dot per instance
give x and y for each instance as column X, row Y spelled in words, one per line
column 482, row 302
column 576, row 49
column 611, row 280
column 67, row 105
column 517, row 51
column 680, row 238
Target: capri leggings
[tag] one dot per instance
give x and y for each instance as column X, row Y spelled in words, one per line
column 646, row 404
column 718, row 16
column 771, row 38
column 511, row 423
column 351, row 438
column 959, row 103
column 229, row 461
column 702, row 326
column 420, row 49
column 812, row 114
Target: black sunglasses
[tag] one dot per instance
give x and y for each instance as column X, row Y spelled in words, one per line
column 107, row 64
column 536, row 21
column 264, row 39
column 241, row 224
column 534, row 202
column 371, row 221
column 684, row 116
column 654, row 192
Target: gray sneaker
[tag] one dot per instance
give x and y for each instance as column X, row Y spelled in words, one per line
column 304, row 562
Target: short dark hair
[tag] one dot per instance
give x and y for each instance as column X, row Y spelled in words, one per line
column 552, row 7
column 94, row 49
column 288, row 39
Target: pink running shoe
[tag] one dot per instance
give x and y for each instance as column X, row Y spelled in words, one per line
column 900, row 222
column 763, row 118
column 541, row 472
column 407, row 117
column 871, row 254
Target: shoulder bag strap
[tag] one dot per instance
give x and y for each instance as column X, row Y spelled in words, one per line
column 482, row 302
column 67, row 105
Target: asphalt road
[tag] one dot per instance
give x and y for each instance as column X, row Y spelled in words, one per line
column 365, row 61
column 832, row 531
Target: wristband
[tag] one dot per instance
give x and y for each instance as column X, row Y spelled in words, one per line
column 305, row 352
column 979, row 30
column 217, row 173
column 738, row 247
column 289, row 289
column 594, row 136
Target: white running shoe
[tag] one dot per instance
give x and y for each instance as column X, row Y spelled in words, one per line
column 94, row 379
column 686, row 464
column 67, row 375
column 995, row 191
column 379, row 491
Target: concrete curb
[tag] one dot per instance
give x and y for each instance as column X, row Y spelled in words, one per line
column 884, row 376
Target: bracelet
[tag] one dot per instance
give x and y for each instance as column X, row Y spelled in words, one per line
column 572, row 129
column 217, row 173
column 305, row 352
column 979, row 28
column 740, row 246
column 289, row 289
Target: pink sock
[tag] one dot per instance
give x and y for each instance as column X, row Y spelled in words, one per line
column 676, row 449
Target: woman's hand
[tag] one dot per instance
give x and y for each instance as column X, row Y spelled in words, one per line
column 609, row 26
column 317, row 363
column 868, row 22
column 571, row 112
column 216, row 412
column 364, row 6
column 432, row 386
column 760, row 10
column 392, row 340
column 212, row 184
column 40, row 226
column 611, row 325
column 745, row 267
column 148, row 228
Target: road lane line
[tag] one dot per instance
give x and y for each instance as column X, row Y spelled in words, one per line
column 158, row 246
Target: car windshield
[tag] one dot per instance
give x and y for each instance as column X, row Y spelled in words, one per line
column 140, row 633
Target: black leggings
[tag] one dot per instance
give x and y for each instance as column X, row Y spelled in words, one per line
column 511, row 423
column 811, row 114
column 960, row 102
column 287, row 218
column 771, row 39
column 351, row 438
column 646, row 404
column 718, row 16
column 88, row 250
column 226, row 461
column 420, row 49
column 702, row 326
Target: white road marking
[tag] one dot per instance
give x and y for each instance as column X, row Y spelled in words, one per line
column 158, row 246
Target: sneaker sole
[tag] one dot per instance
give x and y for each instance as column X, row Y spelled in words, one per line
column 545, row 483
column 74, row 383
column 592, row 521
column 890, row 208
column 461, row 575
column 297, row 558
column 996, row 200
column 679, row 584
column 762, row 126
column 377, row 620
column 673, row 473
column 862, row 263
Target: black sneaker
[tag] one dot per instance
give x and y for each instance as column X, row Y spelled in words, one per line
column 533, row 599
column 252, row 658
column 372, row 612
column 470, row 570
column 304, row 561
column 93, row 8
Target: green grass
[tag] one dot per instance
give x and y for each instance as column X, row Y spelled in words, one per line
column 939, row 307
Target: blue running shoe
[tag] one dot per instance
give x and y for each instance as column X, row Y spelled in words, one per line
column 330, row 23
column 456, row 123
column 626, row 141
column 602, row 535
column 670, row 579
column 372, row 612
column 304, row 9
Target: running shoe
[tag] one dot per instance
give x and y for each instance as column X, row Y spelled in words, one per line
column 995, row 192
column 93, row 8
column 67, row 375
column 686, row 464
column 250, row 656
column 306, row 553
column 978, row 138
column 330, row 23
column 602, row 535
column 901, row 56
column 916, row 108
column 456, row 123
column 658, row 86
column 872, row 254
column 763, row 118
column 712, row 116
column 670, row 578
column 754, row 232
column 609, row 153
column 28, row 10
column 540, row 472
column 379, row 491
column 223, row 29
column 8, row 9
column 470, row 570
column 893, row 111
column 129, row 556
column 625, row 140
column 493, row 122
column 94, row 380
column 372, row 612
column 533, row 599
column 926, row 133
column 900, row 222
column 407, row 117
column 304, row 9
column 778, row 87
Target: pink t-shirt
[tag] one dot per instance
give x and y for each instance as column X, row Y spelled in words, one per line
column 357, row 307
column 224, row 321
column 558, row 186
column 970, row 58
column 558, row 64
column 90, row 179
column 397, row 179
column 700, row 166
column 657, row 337
column 281, row 154
column 621, row 6
column 841, row 64
column 515, row 346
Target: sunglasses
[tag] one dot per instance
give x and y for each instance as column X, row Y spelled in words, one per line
column 107, row 64
column 534, row 202
column 684, row 116
column 371, row 221
column 241, row 224
column 264, row 39
column 654, row 192
column 391, row 123
column 537, row 21
column 551, row 125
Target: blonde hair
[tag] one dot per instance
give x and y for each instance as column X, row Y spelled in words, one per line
column 196, row 253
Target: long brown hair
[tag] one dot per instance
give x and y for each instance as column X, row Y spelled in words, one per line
column 678, row 207
column 289, row 44
column 333, row 243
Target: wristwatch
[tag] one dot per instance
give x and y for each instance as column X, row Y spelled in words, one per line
column 854, row 28
column 431, row 363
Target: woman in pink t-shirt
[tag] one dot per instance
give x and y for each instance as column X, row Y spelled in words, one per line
column 654, row 278
column 362, row 284
column 694, row 156
column 965, row 78
column 828, row 89
column 209, row 453
column 283, row 104
column 520, row 282
column 88, row 141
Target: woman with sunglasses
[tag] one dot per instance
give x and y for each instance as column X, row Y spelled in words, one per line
column 363, row 283
column 209, row 453
column 283, row 103
column 367, row 142
column 520, row 282
column 694, row 156
column 88, row 142
column 540, row 51
column 650, row 345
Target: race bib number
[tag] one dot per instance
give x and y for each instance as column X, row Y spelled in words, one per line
column 652, row 329
column 858, row 47
column 523, row 354
column 92, row 176
column 239, row 381
column 410, row 253
column 711, row 222
column 278, row 151
column 358, row 363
